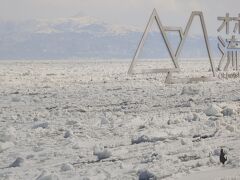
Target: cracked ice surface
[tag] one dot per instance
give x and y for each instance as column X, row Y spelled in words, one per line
column 88, row 120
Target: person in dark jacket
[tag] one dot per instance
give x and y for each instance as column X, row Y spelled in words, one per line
column 223, row 159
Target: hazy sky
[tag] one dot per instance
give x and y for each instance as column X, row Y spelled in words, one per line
column 129, row 12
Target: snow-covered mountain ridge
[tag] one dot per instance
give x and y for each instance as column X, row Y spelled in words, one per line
column 83, row 37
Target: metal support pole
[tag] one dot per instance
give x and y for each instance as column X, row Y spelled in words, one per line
column 228, row 61
column 233, row 60
column 237, row 60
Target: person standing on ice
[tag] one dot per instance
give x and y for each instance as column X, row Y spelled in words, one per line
column 223, row 159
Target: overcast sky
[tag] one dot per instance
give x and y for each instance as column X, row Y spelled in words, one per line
column 125, row 12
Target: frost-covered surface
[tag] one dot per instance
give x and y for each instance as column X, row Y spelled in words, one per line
column 76, row 120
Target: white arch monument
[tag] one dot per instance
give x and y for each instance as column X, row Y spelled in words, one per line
column 183, row 36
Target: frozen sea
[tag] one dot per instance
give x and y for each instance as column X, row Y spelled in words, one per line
column 81, row 120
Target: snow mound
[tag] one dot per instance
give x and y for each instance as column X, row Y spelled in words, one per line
column 7, row 138
column 45, row 176
column 137, row 139
column 66, row 167
column 8, row 134
column 68, row 134
column 192, row 117
column 231, row 128
column 213, row 110
column 5, row 145
column 43, row 125
column 228, row 111
column 101, row 152
column 186, row 141
column 146, row 175
column 17, row 163
column 151, row 157
column 140, row 139
column 188, row 90
column 76, row 146
column 216, row 152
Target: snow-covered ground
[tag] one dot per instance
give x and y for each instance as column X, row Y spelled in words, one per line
column 87, row 120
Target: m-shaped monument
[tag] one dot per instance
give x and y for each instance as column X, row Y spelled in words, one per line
column 174, row 55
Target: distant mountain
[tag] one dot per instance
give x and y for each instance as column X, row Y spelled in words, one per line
column 85, row 37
